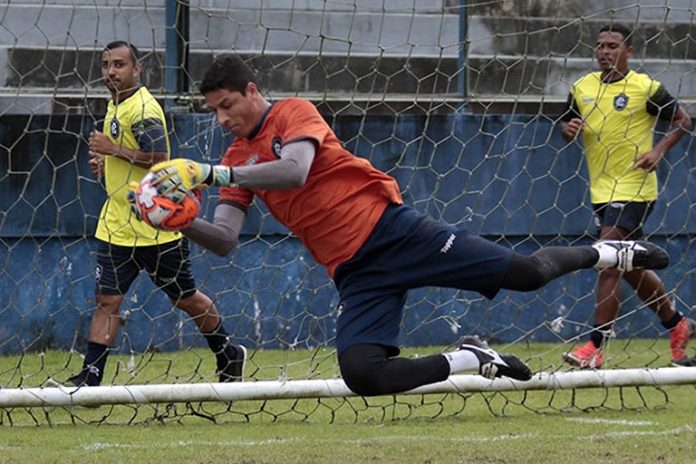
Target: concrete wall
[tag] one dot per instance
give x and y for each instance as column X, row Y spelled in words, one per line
column 398, row 50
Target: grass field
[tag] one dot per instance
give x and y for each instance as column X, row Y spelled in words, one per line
column 619, row 425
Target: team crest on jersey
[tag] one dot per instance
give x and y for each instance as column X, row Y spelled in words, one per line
column 620, row 101
column 277, row 145
column 114, row 128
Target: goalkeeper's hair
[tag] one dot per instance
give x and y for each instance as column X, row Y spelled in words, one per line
column 228, row 72
column 621, row 29
column 135, row 54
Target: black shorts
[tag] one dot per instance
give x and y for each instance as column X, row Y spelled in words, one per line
column 627, row 215
column 168, row 266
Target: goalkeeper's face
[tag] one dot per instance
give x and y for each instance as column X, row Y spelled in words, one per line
column 119, row 70
column 237, row 113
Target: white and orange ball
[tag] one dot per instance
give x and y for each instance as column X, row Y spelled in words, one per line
column 175, row 209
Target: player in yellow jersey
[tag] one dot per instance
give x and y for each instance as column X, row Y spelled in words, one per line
column 135, row 138
column 615, row 109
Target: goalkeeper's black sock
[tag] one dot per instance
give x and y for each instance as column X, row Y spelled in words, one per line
column 217, row 339
column 94, row 363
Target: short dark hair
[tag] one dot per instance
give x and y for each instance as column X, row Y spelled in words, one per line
column 228, row 72
column 135, row 54
column 621, row 29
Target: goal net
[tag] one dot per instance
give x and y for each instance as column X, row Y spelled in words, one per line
column 458, row 100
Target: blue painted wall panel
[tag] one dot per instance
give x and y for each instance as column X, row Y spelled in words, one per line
column 509, row 178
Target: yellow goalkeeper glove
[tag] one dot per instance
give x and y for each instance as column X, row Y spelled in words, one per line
column 177, row 174
column 181, row 172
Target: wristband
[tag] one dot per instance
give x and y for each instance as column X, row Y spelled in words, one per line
column 222, row 176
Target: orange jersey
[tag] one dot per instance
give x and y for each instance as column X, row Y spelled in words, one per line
column 344, row 195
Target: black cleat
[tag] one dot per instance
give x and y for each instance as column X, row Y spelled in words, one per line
column 85, row 378
column 685, row 362
column 494, row 364
column 79, row 380
column 230, row 364
column 638, row 254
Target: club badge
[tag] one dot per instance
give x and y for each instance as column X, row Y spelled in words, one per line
column 277, row 145
column 620, row 102
column 114, row 128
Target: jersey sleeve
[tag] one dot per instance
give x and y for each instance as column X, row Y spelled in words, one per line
column 235, row 196
column 300, row 120
column 571, row 109
column 148, row 126
column 661, row 103
column 150, row 135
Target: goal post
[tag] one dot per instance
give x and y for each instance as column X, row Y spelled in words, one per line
column 331, row 388
column 457, row 100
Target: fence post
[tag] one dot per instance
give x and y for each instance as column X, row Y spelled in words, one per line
column 463, row 49
column 176, row 50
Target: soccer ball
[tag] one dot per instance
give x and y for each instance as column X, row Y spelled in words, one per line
column 176, row 209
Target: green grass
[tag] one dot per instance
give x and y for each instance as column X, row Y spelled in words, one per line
column 619, row 425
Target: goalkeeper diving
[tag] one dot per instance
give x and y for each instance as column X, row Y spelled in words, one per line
column 352, row 218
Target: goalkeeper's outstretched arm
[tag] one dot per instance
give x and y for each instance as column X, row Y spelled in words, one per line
column 289, row 171
column 222, row 235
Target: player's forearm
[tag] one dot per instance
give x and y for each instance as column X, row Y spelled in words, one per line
column 288, row 172
column 140, row 158
column 681, row 124
column 222, row 235
column 276, row 175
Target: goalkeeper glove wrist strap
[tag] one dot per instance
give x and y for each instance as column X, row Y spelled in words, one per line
column 220, row 176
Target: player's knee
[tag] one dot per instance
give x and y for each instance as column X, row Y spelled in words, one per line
column 361, row 380
column 109, row 304
column 362, row 373
column 184, row 299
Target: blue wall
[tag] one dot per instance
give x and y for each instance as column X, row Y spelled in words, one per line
column 510, row 178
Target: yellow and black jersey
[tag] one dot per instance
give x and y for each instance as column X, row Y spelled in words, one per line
column 137, row 123
column 618, row 123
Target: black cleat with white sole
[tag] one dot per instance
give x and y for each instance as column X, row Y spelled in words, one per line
column 494, row 364
column 686, row 362
column 635, row 254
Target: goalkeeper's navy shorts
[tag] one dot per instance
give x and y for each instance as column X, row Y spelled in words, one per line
column 168, row 266
column 409, row 250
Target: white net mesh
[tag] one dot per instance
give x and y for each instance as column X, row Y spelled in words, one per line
column 467, row 128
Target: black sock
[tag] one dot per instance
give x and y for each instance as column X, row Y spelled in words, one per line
column 94, row 362
column 217, row 339
column 673, row 321
column 527, row 273
column 597, row 337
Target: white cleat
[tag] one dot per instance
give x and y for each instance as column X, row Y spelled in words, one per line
column 494, row 364
column 630, row 255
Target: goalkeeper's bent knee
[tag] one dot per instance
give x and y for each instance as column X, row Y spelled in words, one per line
column 361, row 368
